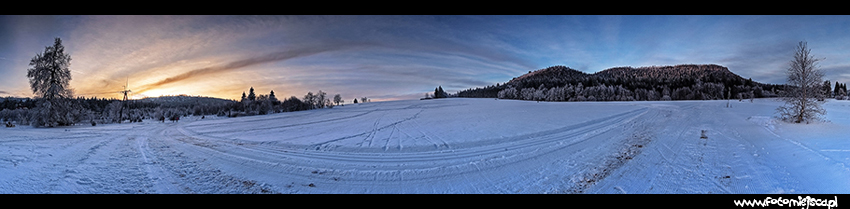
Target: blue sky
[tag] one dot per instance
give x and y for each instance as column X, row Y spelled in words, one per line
column 396, row 57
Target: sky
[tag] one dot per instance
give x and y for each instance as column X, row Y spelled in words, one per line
column 396, row 57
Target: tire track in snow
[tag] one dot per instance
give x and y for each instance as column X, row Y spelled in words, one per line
column 522, row 141
column 371, row 135
column 163, row 182
column 422, row 165
column 322, row 113
column 120, row 162
column 427, row 137
column 189, row 171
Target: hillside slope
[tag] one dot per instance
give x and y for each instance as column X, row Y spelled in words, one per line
column 679, row 82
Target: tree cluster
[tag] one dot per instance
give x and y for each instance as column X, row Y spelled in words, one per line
column 252, row 104
column 439, row 93
column 839, row 92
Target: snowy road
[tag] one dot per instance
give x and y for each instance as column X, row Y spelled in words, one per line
column 444, row 146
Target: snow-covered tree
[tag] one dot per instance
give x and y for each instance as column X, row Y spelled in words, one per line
column 264, row 106
column 840, row 90
column 49, row 76
column 827, row 89
column 527, row 93
column 310, row 100
column 804, row 79
column 251, row 95
column 272, row 97
column 113, row 112
column 321, row 99
column 338, row 99
column 507, row 93
column 439, row 93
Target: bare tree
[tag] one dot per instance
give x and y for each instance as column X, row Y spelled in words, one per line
column 804, row 80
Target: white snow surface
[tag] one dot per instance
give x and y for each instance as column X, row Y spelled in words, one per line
column 453, row 145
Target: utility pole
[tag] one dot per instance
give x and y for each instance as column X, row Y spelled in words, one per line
column 124, row 102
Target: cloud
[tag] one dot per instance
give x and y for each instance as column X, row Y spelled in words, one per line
column 267, row 58
column 764, row 61
column 837, row 73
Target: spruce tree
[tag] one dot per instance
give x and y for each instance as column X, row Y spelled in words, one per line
column 439, row 93
column 251, row 95
column 827, row 92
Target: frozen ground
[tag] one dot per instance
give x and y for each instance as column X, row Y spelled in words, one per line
column 445, row 146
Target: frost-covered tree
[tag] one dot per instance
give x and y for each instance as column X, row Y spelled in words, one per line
column 251, row 95
column 113, row 112
column 322, row 99
column 527, row 93
column 264, row 106
column 804, row 79
column 827, row 89
column 840, row 90
column 49, row 76
column 439, row 93
column 272, row 97
column 338, row 99
column 293, row 104
column 507, row 93
column 310, row 100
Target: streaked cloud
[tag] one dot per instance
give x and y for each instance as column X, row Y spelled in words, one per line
column 392, row 57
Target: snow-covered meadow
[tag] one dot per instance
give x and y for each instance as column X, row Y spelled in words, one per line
column 453, row 145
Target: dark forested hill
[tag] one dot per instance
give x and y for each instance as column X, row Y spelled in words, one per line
column 679, row 82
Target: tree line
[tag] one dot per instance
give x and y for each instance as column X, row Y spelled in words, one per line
column 839, row 92
column 55, row 105
column 253, row 104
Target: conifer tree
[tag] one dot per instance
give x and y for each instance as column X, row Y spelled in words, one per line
column 827, row 91
column 251, row 95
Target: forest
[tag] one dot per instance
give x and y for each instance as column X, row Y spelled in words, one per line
column 654, row 83
column 23, row 111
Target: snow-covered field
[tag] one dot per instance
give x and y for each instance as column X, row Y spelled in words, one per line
column 445, row 146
